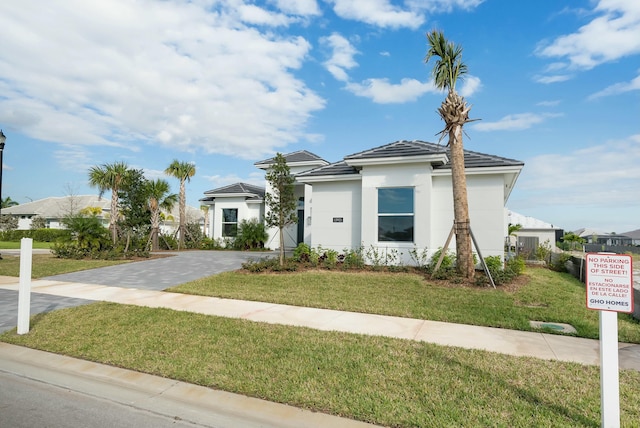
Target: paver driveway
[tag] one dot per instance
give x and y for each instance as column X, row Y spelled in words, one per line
column 154, row 274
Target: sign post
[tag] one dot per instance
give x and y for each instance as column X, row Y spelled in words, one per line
column 609, row 287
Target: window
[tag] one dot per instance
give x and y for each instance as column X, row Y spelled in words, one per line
column 229, row 222
column 395, row 214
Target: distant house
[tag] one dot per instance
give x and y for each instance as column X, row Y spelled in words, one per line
column 54, row 209
column 592, row 236
column 532, row 233
column 392, row 198
column 634, row 235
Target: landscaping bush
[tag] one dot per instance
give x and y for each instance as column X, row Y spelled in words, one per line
column 353, row 259
column 252, row 235
column 302, row 253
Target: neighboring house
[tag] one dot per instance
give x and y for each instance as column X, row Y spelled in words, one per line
column 396, row 197
column 231, row 204
column 634, row 235
column 54, row 209
column 592, row 236
column 533, row 232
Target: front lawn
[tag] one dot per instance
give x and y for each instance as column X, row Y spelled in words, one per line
column 391, row 382
column 47, row 264
column 545, row 295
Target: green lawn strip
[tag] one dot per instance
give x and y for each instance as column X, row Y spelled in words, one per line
column 385, row 381
column 548, row 296
column 15, row 245
column 47, row 265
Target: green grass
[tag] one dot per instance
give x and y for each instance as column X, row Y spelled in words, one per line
column 548, row 296
column 47, row 265
column 385, row 381
column 15, row 245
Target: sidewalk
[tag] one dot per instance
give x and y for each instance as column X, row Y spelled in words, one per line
column 511, row 342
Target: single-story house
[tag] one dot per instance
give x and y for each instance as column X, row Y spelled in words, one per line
column 634, row 235
column 533, row 232
column 55, row 208
column 392, row 198
column 592, row 236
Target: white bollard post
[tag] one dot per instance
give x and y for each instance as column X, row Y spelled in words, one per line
column 24, row 293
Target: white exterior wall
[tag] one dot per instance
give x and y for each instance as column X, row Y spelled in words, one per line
column 486, row 212
column 291, row 231
column 340, row 200
column 417, row 176
column 246, row 211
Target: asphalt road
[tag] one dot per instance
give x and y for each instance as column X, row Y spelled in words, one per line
column 26, row 403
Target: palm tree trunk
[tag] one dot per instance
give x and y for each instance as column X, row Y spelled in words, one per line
column 183, row 204
column 464, row 255
column 114, row 215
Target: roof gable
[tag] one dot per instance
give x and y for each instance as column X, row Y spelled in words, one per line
column 301, row 157
column 249, row 191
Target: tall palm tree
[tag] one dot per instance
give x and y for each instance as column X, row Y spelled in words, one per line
column 159, row 198
column 110, row 176
column 454, row 111
column 183, row 171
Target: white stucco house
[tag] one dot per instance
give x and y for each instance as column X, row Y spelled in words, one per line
column 393, row 197
column 55, row 208
column 533, row 232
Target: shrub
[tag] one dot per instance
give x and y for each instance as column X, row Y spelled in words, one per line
column 302, row 253
column 353, row 259
column 515, row 265
column 262, row 265
column 420, row 258
column 38, row 222
column 448, row 261
column 559, row 262
column 252, row 235
column 330, row 259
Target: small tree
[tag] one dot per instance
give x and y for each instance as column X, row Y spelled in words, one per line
column 38, row 222
column 183, row 171
column 280, row 201
column 8, row 222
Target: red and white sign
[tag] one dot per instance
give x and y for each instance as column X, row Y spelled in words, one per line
column 609, row 282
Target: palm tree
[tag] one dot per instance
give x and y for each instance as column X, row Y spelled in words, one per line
column 159, row 198
column 454, row 111
column 182, row 171
column 8, row 202
column 110, row 177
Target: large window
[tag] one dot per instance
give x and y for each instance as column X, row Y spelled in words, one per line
column 229, row 222
column 395, row 214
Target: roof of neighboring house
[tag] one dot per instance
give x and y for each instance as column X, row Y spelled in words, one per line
column 250, row 191
column 56, row 207
column 407, row 149
column 528, row 222
column 634, row 234
column 299, row 157
column 585, row 232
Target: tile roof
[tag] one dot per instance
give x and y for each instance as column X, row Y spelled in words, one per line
column 58, row 206
column 404, row 149
column 252, row 191
column 295, row 157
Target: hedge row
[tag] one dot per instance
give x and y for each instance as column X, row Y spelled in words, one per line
column 40, row 235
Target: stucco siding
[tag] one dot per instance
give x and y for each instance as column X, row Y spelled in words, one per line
column 339, row 201
column 245, row 212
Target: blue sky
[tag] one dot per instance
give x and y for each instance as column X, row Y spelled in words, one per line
column 226, row 83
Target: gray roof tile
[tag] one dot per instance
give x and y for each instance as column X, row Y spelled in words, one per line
column 407, row 149
column 252, row 191
column 295, row 157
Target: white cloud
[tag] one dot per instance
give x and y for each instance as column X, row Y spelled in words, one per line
column 299, row 7
column 383, row 92
column 514, row 122
column 470, row 85
column 548, row 103
column 377, row 12
column 613, row 34
column 618, row 88
column 341, row 57
column 191, row 76
column 553, row 79
column 605, row 175
column 443, row 5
